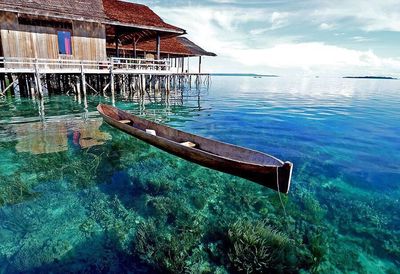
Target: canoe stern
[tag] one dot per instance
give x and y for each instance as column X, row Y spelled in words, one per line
column 285, row 177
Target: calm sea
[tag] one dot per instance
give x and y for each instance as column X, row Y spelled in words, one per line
column 79, row 196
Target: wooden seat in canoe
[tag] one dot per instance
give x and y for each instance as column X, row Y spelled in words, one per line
column 188, row 144
column 151, row 131
column 125, row 121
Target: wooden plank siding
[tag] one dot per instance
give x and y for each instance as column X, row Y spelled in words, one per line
column 30, row 41
column 88, row 41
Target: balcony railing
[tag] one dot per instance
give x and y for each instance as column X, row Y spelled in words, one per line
column 12, row 64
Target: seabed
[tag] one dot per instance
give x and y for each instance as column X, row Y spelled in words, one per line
column 79, row 196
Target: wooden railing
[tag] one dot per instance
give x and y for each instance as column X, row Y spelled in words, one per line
column 128, row 64
column 139, row 64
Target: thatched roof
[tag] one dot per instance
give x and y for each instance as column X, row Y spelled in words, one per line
column 85, row 10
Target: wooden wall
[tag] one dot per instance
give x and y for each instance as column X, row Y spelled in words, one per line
column 88, row 40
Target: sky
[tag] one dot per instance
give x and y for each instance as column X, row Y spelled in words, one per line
column 299, row 37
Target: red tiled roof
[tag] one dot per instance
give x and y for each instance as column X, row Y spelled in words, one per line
column 136, row 14
column 174, row 46
column 169, row 45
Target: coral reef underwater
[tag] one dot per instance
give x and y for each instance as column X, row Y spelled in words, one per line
column 122, row 206
column 112, row 209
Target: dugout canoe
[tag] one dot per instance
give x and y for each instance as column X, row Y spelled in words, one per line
column 249, row 164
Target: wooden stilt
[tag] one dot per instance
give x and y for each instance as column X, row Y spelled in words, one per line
column 199, row 64
column 32, row 88
column 92, row 88
column 143, row 82
column 112, row 79
column 27, row 90
column 78, row 89
column 83, row 79
column 9, row 86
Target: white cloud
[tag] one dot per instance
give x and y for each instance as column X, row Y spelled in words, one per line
column 372, row 15
column 225, row 32
column 279, row 19
column 360, row 39
column 306, row 55
column 326, row 26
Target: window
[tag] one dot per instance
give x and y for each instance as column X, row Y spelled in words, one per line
column 64, row 42
column 38, row 22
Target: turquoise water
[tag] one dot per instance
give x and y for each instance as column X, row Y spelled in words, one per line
column 79, row 196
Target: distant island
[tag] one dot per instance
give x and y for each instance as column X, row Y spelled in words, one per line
column 371, row 77
column 244, row 74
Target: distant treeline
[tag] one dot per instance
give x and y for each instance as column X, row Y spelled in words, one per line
column 371, row 77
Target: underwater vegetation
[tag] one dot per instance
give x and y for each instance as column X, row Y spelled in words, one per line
column 258, row 248
column 148, row 213
column 124, row 206
column 14, row 190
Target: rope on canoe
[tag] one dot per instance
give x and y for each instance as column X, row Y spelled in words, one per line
column 279, row 193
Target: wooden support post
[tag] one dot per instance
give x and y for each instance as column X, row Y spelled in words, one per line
column 9, row 86
column 83, row 79
column 1, row 84
column 112, row 78
column 199, row 64
column 157, row 84
column 134, row 85
column 158, row 46
column 105, row 88
column 92, row 88
column 150, row 82
column 78, row 89
column 116, row 42
column 143, row 82
column 123, row 84
column 15, row 88
column 27, row 86
column 41, row 109
column 38, row 80
column 135, row 41
column 32, row 87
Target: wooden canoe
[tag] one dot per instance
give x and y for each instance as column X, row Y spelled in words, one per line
column 242, row 162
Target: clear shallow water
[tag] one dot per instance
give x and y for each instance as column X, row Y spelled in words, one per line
column 77, row 195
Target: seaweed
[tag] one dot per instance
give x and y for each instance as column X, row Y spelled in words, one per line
column 166, row 251
column 14, row 190
column 255, row 247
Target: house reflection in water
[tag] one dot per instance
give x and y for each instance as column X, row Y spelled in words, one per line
column 57, row 136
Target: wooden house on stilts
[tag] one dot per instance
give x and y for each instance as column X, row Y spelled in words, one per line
column 100, row 45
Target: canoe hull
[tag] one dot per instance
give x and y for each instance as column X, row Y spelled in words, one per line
column 275, row 177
